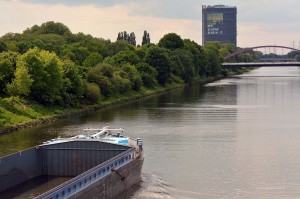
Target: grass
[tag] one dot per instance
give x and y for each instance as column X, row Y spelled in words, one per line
column 15, row 111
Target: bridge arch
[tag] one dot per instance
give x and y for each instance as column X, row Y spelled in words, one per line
column 244, row 50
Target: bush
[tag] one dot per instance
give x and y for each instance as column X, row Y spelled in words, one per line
column 93, row 93
column 148, row 80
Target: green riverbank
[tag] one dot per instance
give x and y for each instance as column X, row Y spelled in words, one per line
column 17, row 113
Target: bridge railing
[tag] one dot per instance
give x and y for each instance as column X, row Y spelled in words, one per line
column 261, row 64
column 266, row 59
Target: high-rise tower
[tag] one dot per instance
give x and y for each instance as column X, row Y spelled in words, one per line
column 219, row 24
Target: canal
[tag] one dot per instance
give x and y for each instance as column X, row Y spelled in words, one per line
column 234, row 138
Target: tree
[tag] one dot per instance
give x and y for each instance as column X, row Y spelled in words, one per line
column 134, row 76
column 34, row 29
column 92, row 93
column 294, row 55
column 12, row 46
column 213, row 61
column 80, row 53
column 52, row 27
column 130, row 38
column 185, row 59
column 146, row 38
column 8, row 61
column 73, row 86
column 46, row 72
column 125, row 36
column 2, row 46
column 102, row 75
column 121, row 82
column 213, row 44
column 99, row 45
column 119, row 36
column 52, row 42
column 159, row 59
column 21, row 84
column 23, row 46
column 223, row 52
column 125, row 57
column 148, row 74
column 92, row 60
column 197, row 55
column 177, row 68
column 118, row 46
column 171, row 41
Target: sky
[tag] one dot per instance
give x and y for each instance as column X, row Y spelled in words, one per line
column 260, row 22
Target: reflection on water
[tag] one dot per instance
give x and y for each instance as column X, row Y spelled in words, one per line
column 235, row 138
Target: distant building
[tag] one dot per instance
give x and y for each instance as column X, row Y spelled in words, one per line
column 219, row 24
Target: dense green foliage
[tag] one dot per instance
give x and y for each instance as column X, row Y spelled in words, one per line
column 171, row 41
column 294, row 55
column 7, row 69
column 51, row 66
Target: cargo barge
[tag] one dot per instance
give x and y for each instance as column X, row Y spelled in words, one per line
column 103, row 165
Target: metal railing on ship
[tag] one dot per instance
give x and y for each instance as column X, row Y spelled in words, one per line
column 85, row 179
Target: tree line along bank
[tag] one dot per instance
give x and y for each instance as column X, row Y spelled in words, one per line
column 50, row 66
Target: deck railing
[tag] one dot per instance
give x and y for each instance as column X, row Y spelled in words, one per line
column 85, row 179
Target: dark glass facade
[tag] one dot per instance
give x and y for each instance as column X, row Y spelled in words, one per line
column 219, row 24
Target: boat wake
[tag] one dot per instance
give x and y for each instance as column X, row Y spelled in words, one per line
column 152, row 187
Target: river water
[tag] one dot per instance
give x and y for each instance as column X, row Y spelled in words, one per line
column 234, row 138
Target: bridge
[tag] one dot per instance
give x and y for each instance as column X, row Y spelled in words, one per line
column 280, row 62
column 244, row 50
column 280, row 59
column 260, row 64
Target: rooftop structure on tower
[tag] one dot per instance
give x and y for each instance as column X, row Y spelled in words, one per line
column 219, row 24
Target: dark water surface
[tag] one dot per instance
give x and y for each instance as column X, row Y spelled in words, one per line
column 235, row 138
